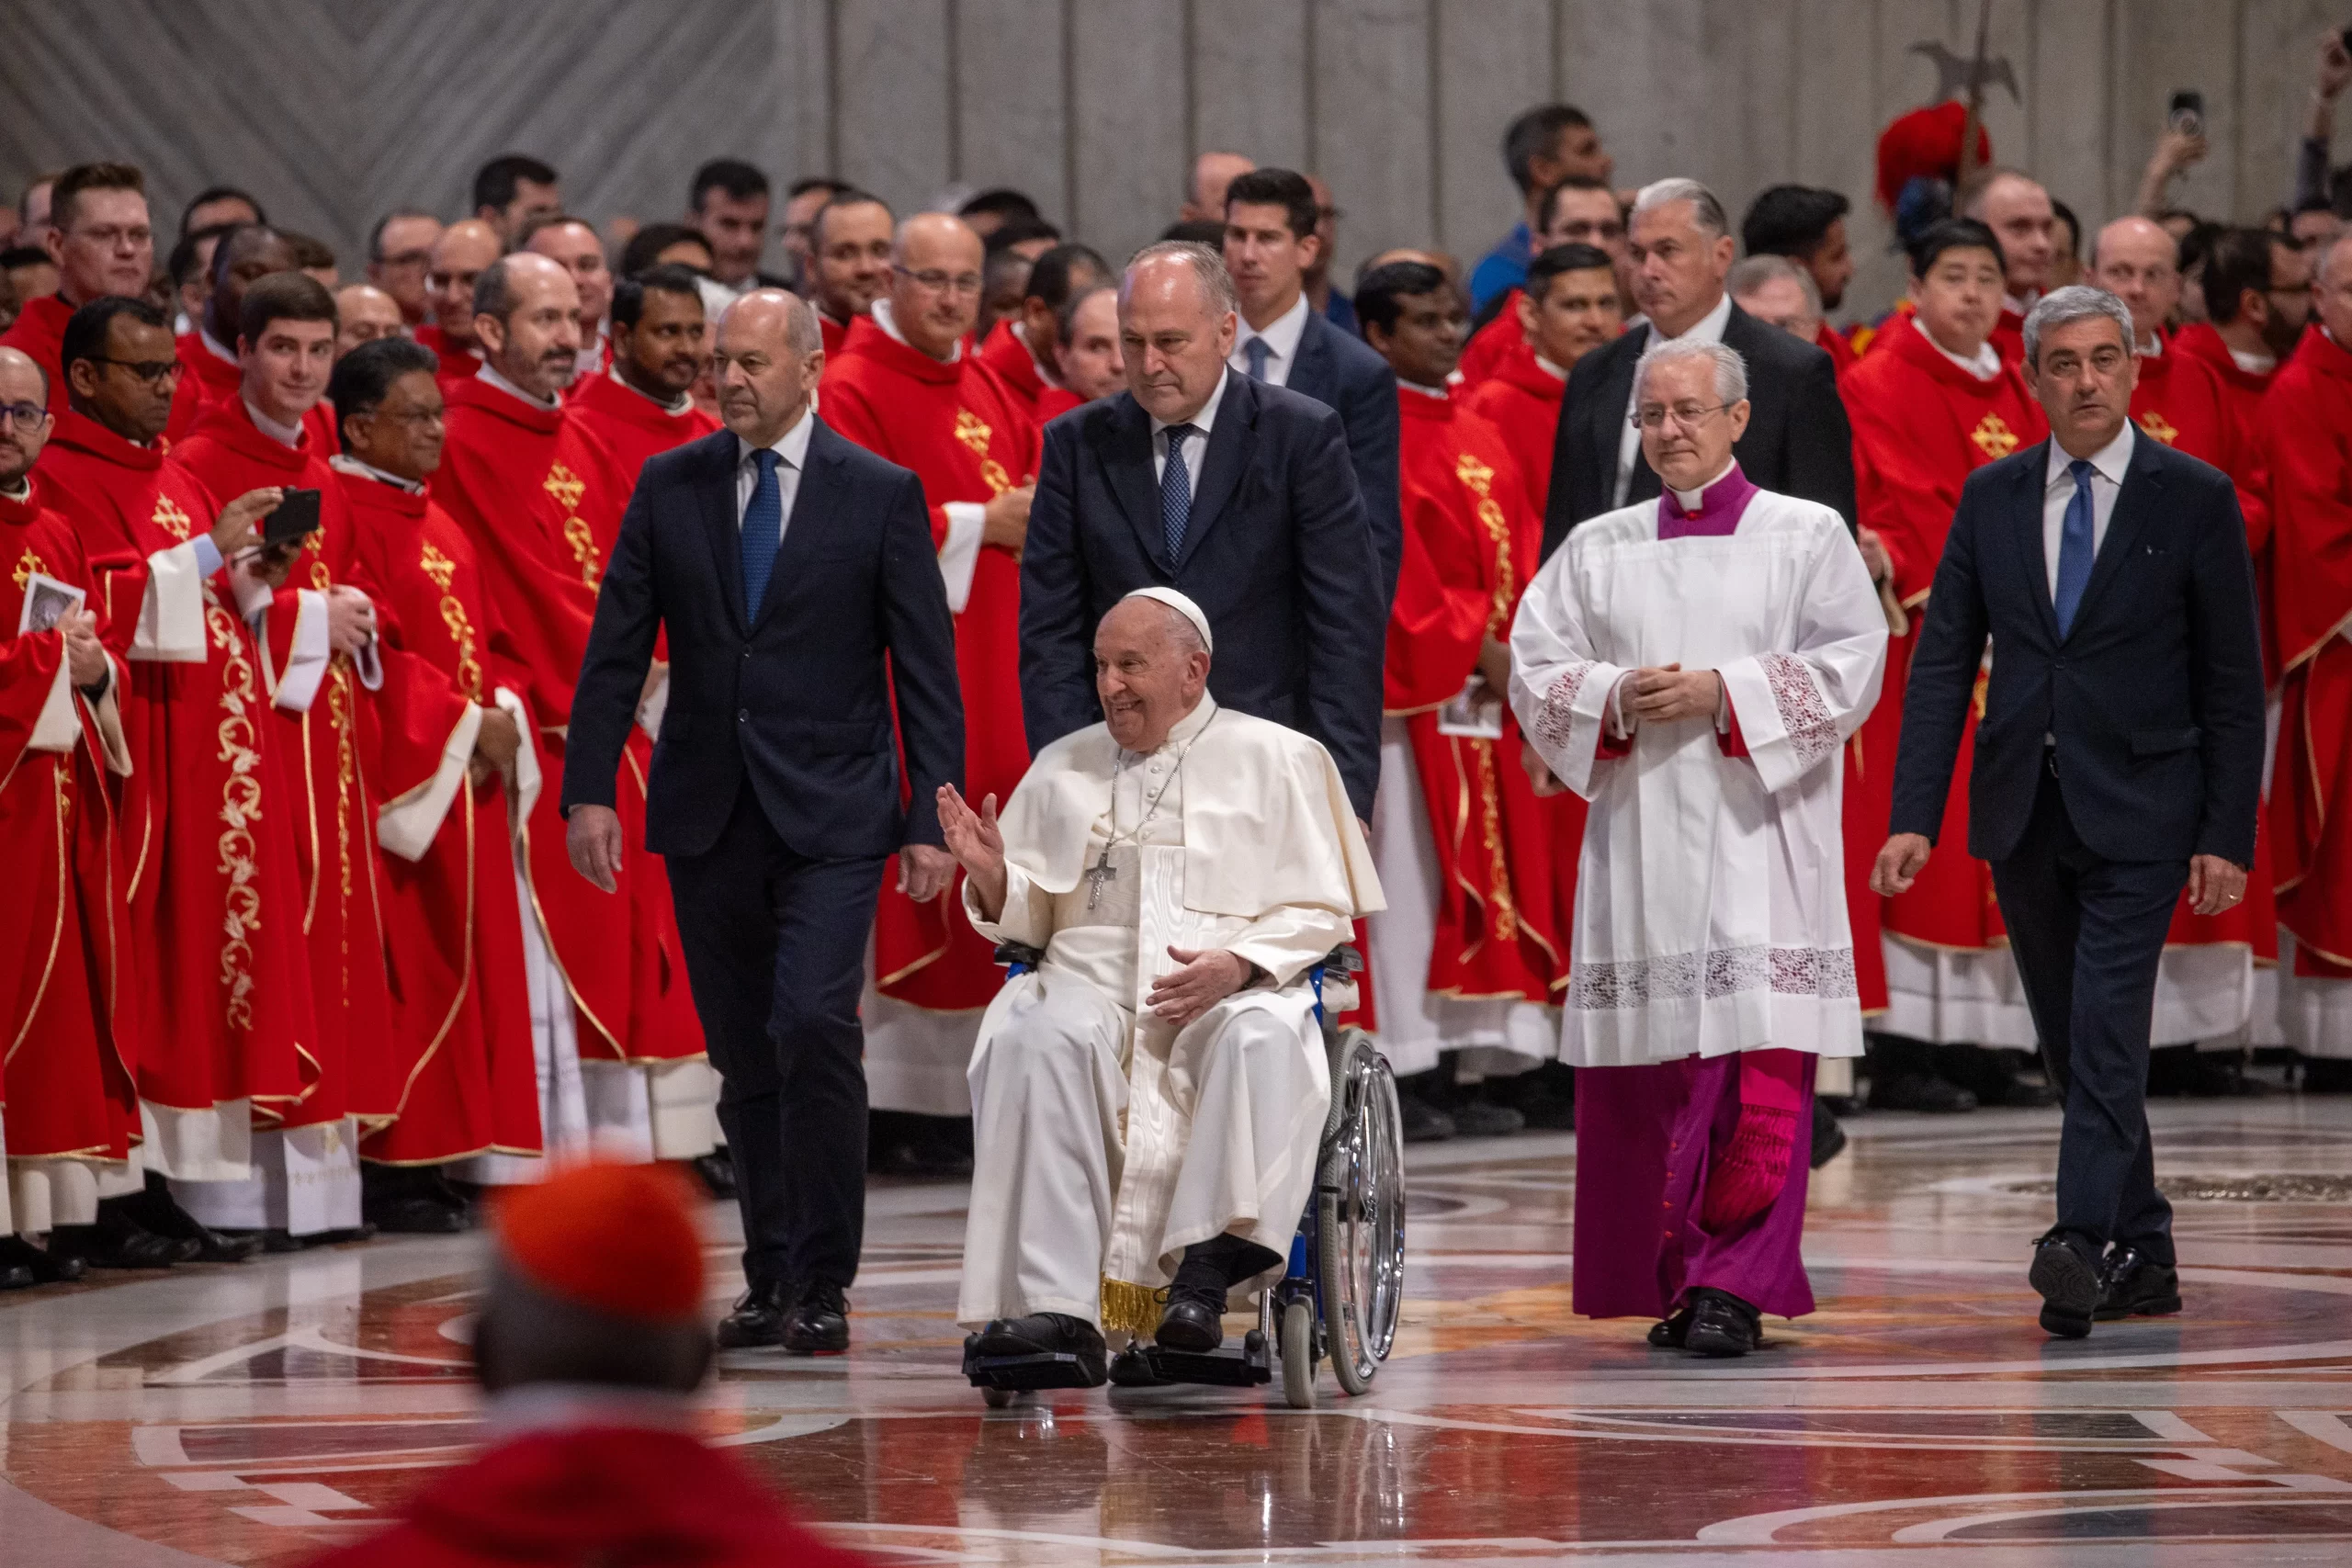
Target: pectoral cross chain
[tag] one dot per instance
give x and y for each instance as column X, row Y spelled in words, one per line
column 1103, row 871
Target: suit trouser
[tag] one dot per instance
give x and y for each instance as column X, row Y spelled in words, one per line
column 776, row 950
column 2087, row 935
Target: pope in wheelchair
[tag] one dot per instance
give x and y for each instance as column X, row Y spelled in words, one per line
column 1149, row 1098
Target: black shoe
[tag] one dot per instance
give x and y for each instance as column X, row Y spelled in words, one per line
column 1422, row 1122
column 716, row 1170
column 15, row 1277
column 928, row 1148
column 156, row 1209
column 2326, row 1075
column 1194, row 1321
column 2136, row 1285
column 818, row 1324
column 113, row 1242
column 1546, row 1098
column 415, row 1214
column 1828, row 1138
column 2066, row 1274
column 758, row 1318
column 363, row 1231
column 1475, row 1117
column 414, row 1199
column 1672, row 1333
column 46, row 1267
column 1922, row 1092
column 1722, row 1324
column 1044, row 1334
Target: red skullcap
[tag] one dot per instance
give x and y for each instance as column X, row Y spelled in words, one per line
column 1926, row 142
column 617, row 1238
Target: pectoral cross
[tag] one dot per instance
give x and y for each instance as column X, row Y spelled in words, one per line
column 1103, row 871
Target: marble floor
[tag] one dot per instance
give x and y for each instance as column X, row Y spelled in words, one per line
column 249, row 1415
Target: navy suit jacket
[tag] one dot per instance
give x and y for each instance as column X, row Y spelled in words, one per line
column 2154, row 695
column 798, row 697
column 1277, row 553
column 1337, row 370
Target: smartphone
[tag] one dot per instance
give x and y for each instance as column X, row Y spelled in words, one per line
column 296, row 515
column 2188, row 112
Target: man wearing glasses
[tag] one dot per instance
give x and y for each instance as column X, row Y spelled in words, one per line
column 908, row 386
column 1577, row 211
column 102, row 243
column 398, row 253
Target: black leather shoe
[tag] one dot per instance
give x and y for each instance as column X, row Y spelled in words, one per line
column 926, row 1148
column 1546, row 1097
column 1671, row 1333
column 415, row 1214
column 716, row 1170
column 2066, row 1274
column 1920, row 1091
column 1422, row 1122
column 113, row 1242
column 2324, row 1075
column 1484, row 1118
column 1722, row 1324
column 157, row 1211
column 1194, row 1321
column 1828, row 1138
column 818, row 1324
column 2136, row 1285
column 1045, row 1334
column 758, row 1318
column 46, row 1267
column 15, row 1277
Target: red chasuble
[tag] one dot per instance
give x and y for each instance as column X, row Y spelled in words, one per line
column 1501, row 886
column 1009, row 360
column 1832, row 342
column 2009, row 336
column 2306, row 433
column 65, row 927
column 39, row 330
column 462, row 1064
column 459, row 364
column 207, row 828
column 835, row 335
column 1522, row 399
column 1922, row 424
column 1488, row 349
column 541, row 501
column 630, row 426
column 966, row 439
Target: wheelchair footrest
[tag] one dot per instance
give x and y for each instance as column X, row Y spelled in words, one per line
column 1145, row 1365
column 1056, row 1369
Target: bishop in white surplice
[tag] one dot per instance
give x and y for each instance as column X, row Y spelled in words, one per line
column 1159, row 1079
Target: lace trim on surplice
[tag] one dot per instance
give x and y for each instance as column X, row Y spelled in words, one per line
column 1827, row 973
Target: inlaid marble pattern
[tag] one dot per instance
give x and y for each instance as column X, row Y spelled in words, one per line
column 249, row 1415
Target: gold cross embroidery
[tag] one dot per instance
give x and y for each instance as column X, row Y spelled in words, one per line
column 973, row 431
column 27, row 564
column 565, row 486
column 2158, row 427
column 171, row 519
column 1993, row 438
column 1474, row 473
column 439, row 566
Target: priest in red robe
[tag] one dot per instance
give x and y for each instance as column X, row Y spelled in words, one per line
column 541, row 499
column 908, row 388
column 1931, row 403
column 1806, row 224
column 851, row 236
column 2018, row 210
column 101, row 240
column 1569, row 308
column 659, row 339
column 1579, row 210
column 205, row 827
column 71, row 1107
column 462, row 1061
column 2306, row 425
column 460, row 256
column 1024, row 348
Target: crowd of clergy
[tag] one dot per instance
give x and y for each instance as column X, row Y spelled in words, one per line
column 294, row 949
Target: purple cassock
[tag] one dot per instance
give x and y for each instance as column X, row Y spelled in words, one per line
column 1650, row 1138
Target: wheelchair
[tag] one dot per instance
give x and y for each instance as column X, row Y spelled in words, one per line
column 1341, row 1295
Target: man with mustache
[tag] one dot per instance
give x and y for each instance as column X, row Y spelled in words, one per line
column 641, row 404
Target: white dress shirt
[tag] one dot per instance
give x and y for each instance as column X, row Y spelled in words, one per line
column 2107, row 466
column 792, row 451
column 1196, row 448
column 1709, row 328
column 1281, row 336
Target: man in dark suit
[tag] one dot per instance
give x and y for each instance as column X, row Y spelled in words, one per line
column 1234, row 492
column 1272, row 240
column 795, row 575
column 2119, row 757
column 1797, row 440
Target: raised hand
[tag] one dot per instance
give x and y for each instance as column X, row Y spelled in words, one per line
column 238, row 527
column 977, row 844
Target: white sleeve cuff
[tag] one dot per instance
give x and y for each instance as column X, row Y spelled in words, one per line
column 58, row 727
column 171, row 616
column 522, row 785
column 408, row 826
column 961, row 553
column 650, row 710
column 370, row 665
column 306, row 661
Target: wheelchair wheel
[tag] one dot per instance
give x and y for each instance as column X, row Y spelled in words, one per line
column 1360, row 1219
column 1298, row 1355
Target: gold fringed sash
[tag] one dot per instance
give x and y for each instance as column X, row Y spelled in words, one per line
column 1131, row 1308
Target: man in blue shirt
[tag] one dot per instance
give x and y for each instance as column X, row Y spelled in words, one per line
column 1543, row 147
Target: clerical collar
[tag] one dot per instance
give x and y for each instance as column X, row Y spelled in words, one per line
column 1440, row 393
column 284, row 435
column 2255, row 364
column 1205, row 420
column 22, row 492
column 2010, row 302
column 204, row 336
column 566, row 1406
column 1182, row 731
column 1984, row 364
column 1556, row 372
column 1714, row 509
column 2153, row 348
column 676, row 406
column 1281, row 333
column 343, row 463
column 489, row 373
column 881, row 313
column 1046, row 372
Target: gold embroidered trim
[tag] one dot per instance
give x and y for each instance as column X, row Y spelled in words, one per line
column 568, row 489
column 442, row 570
column 27, row 564
column 2160, row 427
column 1993, row 437
column 1131, row 1308
column 241, row 799
column 63, row 792
column 172, row 519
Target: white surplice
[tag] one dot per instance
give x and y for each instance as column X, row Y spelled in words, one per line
column 1711, row 903
column 1105, row 1142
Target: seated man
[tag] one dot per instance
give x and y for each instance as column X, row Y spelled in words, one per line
column 1147, row 1101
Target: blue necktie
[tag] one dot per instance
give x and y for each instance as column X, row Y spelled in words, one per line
column 2076, row 545
column 763, row 531
column 1258, row 351
column 1176, row 490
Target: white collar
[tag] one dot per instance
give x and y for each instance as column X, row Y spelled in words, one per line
column 1046, row 372
column 792, row 446
column 569, row 1406
column 1690, row 500
column 1708, row 328
column 1183, row 731
column 343, row 463
column 1205, row 420
column 1281, row 333
column 1984, row 364
column 2255, row 364
column 204, row 336
column 881, row 314
column 489, row 374
column 284, row 435
column 1554, row 371
column 2111, row 460
column 24, row 490
column 2011, row 302
column 677, row 407
column 2155, row 347
column 1440, row 393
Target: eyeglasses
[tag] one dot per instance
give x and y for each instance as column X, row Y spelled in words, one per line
column 24, row 416
column 1586, row 233
column 944, row 283
column 1687, row 416
column 406, row 261
column 154, row 372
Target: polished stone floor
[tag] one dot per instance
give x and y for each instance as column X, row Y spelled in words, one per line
column 249, row 1415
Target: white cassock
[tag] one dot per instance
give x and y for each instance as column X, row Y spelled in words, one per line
column 1710, row 904
column 1105, row 1141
